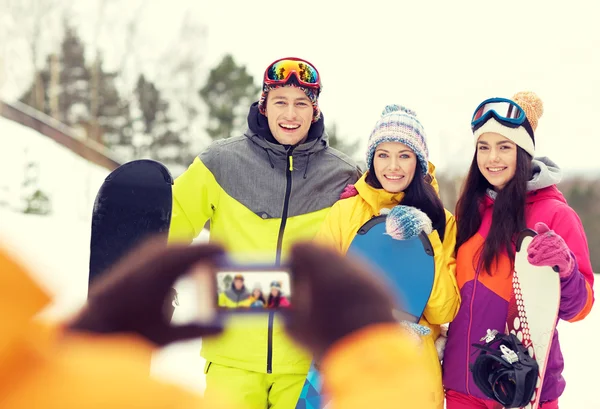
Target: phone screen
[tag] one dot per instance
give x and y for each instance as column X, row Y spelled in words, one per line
column 246, row 290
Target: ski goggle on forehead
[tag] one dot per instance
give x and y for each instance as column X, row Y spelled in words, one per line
column 280, row 71
column 508, row 112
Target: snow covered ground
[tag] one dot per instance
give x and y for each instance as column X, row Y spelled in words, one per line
column 57, row 246
column 69, row 180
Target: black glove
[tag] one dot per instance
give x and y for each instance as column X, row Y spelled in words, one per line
column 133, row 296
column 334, row 296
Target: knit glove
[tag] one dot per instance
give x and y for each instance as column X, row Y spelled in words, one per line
column 549, row 249
column 405, row 222
column 133, row 297
column 334, row 296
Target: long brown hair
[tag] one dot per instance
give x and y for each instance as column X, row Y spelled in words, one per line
column 508, row 217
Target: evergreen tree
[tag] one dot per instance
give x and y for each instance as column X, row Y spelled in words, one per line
column 156, row 138
column 38, row 94
column 74, row 78
column 112, row 112
column 36, row 200
column 228, row 93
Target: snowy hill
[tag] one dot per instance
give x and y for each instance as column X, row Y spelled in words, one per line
column 69, row 180
column 58, row 245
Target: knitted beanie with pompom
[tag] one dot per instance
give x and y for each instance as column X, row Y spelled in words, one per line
column 400, row 124
column 534, row 109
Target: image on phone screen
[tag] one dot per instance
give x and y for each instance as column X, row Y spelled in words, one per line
column 253, row 290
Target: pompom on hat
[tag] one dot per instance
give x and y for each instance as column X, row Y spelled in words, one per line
column 400, row 124
column 533, row 107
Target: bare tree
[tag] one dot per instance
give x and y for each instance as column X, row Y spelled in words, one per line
column 95, row 70
column 22, row 27
column 130, row 37
column 181, row 79
column 54, row 86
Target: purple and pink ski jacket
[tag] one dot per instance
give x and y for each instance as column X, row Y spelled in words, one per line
column 485, row 297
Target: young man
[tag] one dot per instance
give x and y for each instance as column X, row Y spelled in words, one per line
column 236, row 295
column 262, row 192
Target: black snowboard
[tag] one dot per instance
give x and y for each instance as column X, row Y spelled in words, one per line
column 133, row 203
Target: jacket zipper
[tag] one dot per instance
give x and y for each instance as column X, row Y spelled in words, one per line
column 286, row 202
column 270, row 343
column 470, row 324
column 284, row 213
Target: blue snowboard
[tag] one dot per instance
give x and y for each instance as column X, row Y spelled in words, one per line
column 406, row 265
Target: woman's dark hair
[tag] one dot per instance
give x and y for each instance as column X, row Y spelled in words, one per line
column 508, row 217
column 419, row 194
column 261, row 298
column 275, row 299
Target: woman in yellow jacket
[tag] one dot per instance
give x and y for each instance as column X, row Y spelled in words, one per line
column 399, row 173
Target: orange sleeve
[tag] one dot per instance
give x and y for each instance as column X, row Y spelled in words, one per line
column 588, row 304
column 380, row 367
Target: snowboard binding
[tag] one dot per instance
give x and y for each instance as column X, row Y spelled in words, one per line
column 504, row 371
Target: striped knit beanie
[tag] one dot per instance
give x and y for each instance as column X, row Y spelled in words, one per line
column 400, row 124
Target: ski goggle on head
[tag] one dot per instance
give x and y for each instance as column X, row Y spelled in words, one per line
column 507, row 112
column 280, row 71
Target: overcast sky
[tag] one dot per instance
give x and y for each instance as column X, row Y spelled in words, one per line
column 440, row 58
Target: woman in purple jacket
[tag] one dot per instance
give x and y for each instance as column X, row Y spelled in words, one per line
column 507, row 190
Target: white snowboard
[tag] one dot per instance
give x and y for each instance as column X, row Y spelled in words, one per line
column 533, row 309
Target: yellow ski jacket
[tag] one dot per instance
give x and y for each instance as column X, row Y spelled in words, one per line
column 345, row 219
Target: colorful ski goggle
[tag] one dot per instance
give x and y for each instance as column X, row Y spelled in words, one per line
column 508, row 112
column 280, row 71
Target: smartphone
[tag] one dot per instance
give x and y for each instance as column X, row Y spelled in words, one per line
column 252, row 289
